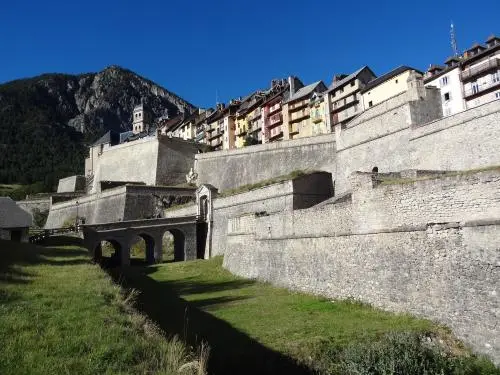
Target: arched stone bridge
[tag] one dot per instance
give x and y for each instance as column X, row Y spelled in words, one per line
column 189, row 232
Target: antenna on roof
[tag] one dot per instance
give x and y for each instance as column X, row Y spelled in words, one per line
column 216, row 98
column 453, row 40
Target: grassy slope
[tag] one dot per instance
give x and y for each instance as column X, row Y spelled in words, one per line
column 246, row 321
column 60, row 314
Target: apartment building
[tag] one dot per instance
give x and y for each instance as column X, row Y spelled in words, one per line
column 186, row 128
column 387, row 86
column 272, row 109
column 343, row 100
column 480, row 73
column 248, row 120
column 297, row 112
column 447, row 79
column 221, row 126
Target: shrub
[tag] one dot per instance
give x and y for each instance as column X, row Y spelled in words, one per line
column 39, row 217
column 408, row 353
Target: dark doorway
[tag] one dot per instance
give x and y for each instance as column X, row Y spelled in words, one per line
column 201, row 239
column 16, row 235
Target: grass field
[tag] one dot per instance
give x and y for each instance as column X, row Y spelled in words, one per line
column 255, row 328
column 5, row 190
column 61, row 314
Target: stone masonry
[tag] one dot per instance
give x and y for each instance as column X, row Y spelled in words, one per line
column 429, row 247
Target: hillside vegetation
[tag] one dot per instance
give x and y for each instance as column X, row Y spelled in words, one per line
column 61, row 314
column 47, row 122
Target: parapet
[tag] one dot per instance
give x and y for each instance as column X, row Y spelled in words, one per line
column 71, row 184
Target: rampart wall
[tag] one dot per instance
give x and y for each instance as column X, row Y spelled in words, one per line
column 151, row 160
column 232, row 168
column 428, row 247
column 301, row 192
column 126, row 202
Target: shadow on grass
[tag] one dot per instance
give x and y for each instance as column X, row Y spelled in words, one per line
column 231, row 351
column 14, row 255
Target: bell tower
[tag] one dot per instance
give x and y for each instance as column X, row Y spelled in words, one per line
column 140, row 119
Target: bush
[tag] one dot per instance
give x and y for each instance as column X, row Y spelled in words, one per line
column 407, row 353
column 39, row 217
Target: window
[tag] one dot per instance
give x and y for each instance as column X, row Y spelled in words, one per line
column 446, row 96
column 497, row 95
column 370, row 103
column 341, row 90
column 475, row 87
column 444, row 81
column 353, row 83
column 396, row 81
column 496, row 77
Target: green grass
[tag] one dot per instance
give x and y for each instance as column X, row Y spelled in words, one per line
column 399, row 181
column 61, row 314
column 246, row 321
column 5, row 190
column 257, row 185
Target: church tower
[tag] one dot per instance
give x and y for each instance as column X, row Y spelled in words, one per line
column 140, row 119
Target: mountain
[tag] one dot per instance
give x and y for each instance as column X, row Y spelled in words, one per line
column 47, row 122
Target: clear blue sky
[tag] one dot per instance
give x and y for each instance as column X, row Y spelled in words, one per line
column 195, row 48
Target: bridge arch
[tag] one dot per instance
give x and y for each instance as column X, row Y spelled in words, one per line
column 187, row 232
column 150, row 244
column 117, row 247
column 179, row 244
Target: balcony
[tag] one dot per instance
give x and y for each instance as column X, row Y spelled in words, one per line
column 344, row 103
column 241, row 130
column 298, row 105
column 316, row 115
column 294, row 129
column 274, row 108
column 299, row 115
column 275, row 119
column 481, row 89
column 217, row 133
column 256, row 114
column 473, row 72
column 275, row 132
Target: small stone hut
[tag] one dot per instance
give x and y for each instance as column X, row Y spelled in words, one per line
column 14, row 221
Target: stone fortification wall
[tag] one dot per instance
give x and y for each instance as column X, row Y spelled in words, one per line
column 150, row 160
column 28, row 205
column 175, row 159
column 380, row 136
column 441, row 263
column 232, row 168
column 301, row 192
column 133, row 161
column 71, row 184
column 469, row 139
column 127, row 202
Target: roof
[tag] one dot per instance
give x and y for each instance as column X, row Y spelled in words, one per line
column 492, row 37
column 111, row 137
column 434, row 67
column 306, row 90
column 350, row 77
column 388, row 76
column 13, row 216
column 476, row 46
column 125, row 135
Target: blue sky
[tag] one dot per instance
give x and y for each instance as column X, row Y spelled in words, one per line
column 197, row 48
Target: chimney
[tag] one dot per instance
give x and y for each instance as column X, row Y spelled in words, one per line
column 291, row 84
